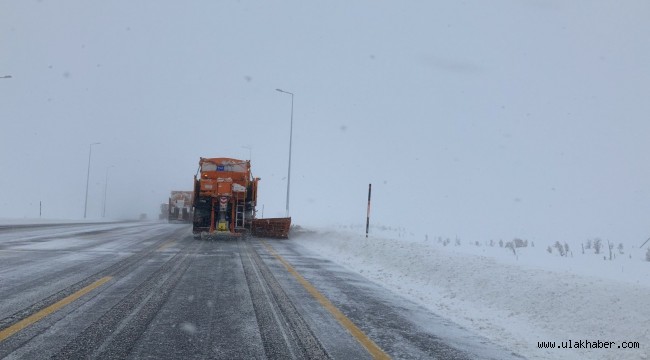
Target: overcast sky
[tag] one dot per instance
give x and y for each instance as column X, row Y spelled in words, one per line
column 478, row 119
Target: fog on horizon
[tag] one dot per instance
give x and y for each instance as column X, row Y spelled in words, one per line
column 475, row 119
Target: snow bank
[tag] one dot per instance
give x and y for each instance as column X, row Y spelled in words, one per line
column 514, row 300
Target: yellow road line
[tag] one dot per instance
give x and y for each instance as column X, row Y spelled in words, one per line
column 5, row 333
column 166, row 244
column 363, row 339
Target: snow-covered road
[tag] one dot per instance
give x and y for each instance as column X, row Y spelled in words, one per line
column 150, row 290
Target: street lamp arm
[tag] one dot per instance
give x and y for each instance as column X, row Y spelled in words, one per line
column 282, row 91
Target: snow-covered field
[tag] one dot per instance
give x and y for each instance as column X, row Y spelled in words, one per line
column 515, row 298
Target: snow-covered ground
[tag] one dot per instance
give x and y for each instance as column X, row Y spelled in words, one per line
column 515, row 298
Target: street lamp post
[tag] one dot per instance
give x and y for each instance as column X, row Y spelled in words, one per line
column 105, row 188
column 290, row 140
column 88, row 178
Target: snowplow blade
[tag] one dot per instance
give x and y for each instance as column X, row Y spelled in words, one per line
column 271, row 228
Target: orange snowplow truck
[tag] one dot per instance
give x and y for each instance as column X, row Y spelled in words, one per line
column 225, row 196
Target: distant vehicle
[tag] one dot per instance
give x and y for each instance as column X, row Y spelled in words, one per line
column 225, row 196
column 180, row 206
column 164, row 211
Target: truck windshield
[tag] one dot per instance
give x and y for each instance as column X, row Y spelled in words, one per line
column 237, row 167
column 209, row 167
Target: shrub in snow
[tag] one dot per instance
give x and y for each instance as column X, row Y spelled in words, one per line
column 550, row 251
column 491, row 242
column 500, row 243
column 477, row 244
column 559, row 248
column 598, row 244
column 511, row 245
column 457, row 243
column 520, row 243
column 566, row 248
column 588, row 244
column 620, row 248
